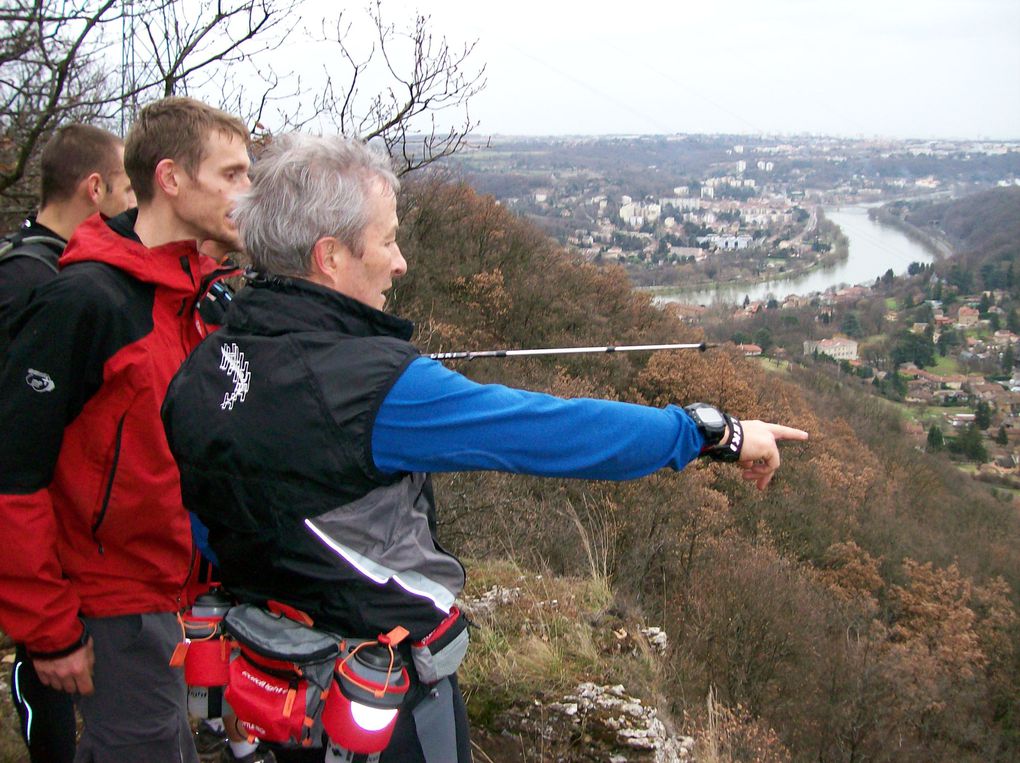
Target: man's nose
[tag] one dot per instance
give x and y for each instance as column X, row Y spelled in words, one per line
column 399, row 265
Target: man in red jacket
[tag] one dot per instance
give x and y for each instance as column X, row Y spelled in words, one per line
column 81, row 172
column 98, row 544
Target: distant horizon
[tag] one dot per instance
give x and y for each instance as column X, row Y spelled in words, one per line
column 861, row 70
column 958, row 139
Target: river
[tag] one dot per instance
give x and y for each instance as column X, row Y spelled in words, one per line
column 873, row 249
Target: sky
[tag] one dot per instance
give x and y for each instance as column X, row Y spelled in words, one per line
column 855, row 68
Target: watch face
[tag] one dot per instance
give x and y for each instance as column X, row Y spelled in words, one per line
column 710, row 417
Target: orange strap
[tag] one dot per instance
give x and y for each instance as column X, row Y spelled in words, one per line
column 293, row 613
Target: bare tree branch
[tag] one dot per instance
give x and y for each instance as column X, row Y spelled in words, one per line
column 426, row 77
column 56, row 66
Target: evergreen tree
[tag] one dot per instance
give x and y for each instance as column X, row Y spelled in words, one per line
column 851, row 326
column 983, row 415
column 897, row 386
column 969, row 444
column 915, row 348
column 1001, row 437
column 1013, row 321
column 947, row 339
column 936, row 441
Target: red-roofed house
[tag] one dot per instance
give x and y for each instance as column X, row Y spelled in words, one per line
column 968, row 316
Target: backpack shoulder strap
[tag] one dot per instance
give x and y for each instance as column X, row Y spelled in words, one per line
column 44, row 249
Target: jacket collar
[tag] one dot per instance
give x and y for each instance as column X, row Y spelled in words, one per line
column 114, row 242
column 274, row 305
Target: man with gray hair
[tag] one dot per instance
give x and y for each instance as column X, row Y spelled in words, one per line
column 306, row 428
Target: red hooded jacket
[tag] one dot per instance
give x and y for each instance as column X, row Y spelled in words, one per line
column 90, row 504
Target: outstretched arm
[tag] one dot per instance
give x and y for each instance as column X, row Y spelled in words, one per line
column 436, row 420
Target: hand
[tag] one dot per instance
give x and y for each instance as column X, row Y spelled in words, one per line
column 759, row 455
column 71, row 673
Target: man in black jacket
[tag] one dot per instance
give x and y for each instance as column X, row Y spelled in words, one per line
column 306, row 428
column 82, row 172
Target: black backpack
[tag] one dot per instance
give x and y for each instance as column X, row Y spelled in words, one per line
column 44, row 249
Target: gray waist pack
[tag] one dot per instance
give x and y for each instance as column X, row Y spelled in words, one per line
column 281, row 675
column 440, row 653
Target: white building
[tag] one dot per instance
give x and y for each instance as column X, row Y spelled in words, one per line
column 680, row 203
column 839, row 347
column 636, row 214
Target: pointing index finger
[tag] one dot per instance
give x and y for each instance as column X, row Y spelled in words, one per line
column 781, row 432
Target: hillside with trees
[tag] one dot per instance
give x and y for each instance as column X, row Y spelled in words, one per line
column 863, row 607
column 984, row 231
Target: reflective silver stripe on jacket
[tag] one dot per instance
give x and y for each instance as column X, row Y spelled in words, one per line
column 385, row 536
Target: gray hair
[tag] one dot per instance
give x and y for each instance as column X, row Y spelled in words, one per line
column 303, row 188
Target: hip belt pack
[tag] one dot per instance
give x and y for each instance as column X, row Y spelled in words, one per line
column 288, row 682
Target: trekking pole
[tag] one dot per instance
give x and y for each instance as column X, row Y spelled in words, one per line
column 701, row 347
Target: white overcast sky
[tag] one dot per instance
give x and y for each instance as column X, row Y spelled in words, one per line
column 860, row 68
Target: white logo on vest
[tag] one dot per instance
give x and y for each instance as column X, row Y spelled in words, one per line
column 233, row 362
column 40, row 381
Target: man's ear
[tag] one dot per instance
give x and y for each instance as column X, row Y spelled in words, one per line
column 166, row 177
column 94, row 187
column 327, row 257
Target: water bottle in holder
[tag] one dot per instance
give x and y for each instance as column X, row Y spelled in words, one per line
column 207, row 662
column 361, row 710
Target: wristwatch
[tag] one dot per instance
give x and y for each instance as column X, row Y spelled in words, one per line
column 713, row 423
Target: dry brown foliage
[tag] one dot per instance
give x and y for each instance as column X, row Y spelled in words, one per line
column 798, row 604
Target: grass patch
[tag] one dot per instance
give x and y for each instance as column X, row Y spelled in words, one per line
column 776, row 366
column 539, row 634
column 945, row 366
column 545, row 635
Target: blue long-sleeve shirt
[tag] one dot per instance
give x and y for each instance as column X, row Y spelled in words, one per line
column 436, row 420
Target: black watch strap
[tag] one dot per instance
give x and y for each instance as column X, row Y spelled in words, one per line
column 83, row 639
column 731, row 450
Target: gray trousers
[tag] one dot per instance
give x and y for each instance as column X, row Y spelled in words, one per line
column 139, row 711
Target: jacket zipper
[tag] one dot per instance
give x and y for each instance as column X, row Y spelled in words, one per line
column 109, row 484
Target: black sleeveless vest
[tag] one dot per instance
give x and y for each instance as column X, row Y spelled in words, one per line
column 270, row 420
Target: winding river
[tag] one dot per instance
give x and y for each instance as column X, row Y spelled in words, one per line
column 873, row 249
